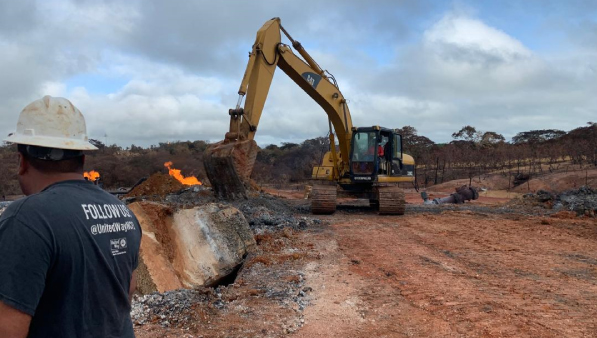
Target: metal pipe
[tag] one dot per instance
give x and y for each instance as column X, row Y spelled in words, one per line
column 461, row 195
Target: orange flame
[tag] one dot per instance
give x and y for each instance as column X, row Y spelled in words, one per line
column 191, row 180
column 92, row 175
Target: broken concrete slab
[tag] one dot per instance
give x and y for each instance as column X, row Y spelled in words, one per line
column 190, row 247
column 215, row 238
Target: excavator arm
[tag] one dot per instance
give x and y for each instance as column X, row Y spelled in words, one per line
column 229, row 163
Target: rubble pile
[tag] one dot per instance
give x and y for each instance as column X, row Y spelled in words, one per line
column 157, row 184
column 582, row 201
column 267, row 212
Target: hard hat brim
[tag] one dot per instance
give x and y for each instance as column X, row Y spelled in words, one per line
column 50, row 142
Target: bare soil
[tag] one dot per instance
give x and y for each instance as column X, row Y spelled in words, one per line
column 158, row 184
column 476, row 270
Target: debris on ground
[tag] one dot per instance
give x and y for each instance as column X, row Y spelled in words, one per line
column 582, row 201
column 270, row 281
column 265, row 212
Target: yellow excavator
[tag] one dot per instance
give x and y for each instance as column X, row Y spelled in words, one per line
column 367, row 163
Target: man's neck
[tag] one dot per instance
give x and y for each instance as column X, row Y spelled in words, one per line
column 45, row 180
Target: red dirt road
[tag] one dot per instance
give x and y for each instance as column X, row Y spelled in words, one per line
column 457, row 274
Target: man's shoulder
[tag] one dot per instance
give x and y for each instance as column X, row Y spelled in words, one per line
column 13, row 208
column 58, row 196
column 77, row 188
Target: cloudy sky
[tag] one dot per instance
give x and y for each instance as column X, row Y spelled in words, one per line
column 144, row 72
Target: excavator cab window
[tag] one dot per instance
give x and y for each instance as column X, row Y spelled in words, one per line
column 364, row 154
column 397, row 146
column 396, row 161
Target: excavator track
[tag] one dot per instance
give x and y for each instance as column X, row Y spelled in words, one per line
column 391, row 201
column 323, row 199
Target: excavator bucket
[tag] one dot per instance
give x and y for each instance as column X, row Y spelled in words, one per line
column 228, row 165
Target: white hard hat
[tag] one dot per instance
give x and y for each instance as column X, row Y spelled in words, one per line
column 52, row 122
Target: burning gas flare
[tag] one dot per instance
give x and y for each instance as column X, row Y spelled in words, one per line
column 191, row 180
column 92, row 175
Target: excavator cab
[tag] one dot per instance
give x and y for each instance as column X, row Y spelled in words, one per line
column 364, row 155
column 375, row 151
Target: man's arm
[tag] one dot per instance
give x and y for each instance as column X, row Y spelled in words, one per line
column 26, row 256
column 13, row 323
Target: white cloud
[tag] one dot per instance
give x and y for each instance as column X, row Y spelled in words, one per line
column 174, row 69
column 473, row 35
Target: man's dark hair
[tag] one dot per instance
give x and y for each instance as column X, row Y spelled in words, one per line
column 72, row 161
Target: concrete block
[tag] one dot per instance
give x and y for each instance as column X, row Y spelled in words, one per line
column 189, row 247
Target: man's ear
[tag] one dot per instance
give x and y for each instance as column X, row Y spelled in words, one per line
column 23, row 164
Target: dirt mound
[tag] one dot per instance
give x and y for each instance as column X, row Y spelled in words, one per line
column 157, row 184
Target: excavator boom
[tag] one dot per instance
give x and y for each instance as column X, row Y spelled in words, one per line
column 229, row 163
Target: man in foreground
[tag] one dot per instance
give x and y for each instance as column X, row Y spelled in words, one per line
column 69, row 249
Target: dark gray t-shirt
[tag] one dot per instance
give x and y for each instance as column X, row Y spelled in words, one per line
column 66, row 258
